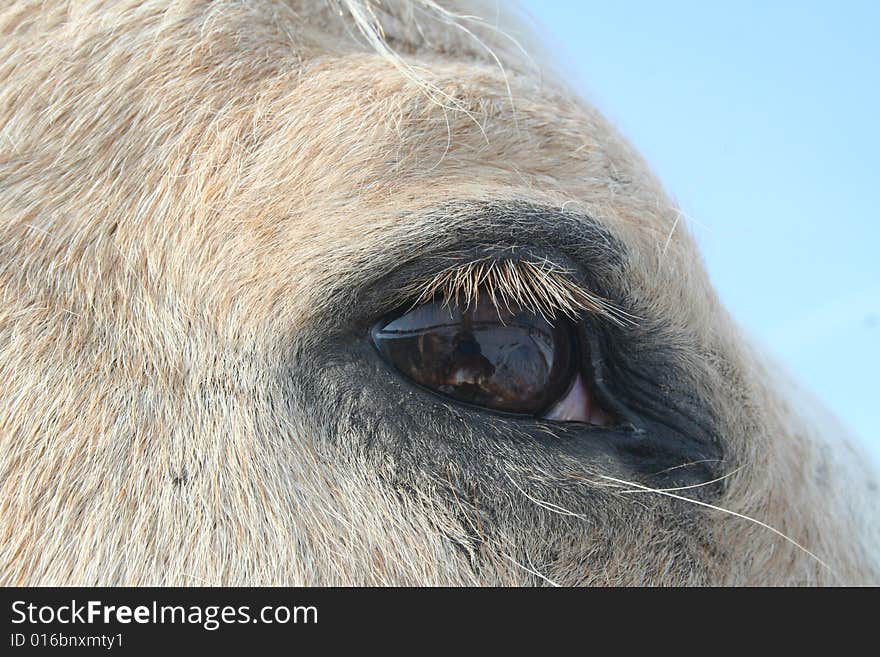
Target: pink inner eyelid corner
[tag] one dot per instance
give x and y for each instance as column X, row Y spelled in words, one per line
column 578, row 406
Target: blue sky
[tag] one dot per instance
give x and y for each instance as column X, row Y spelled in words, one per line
column 762, row 120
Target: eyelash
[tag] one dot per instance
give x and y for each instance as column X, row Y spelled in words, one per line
column 537, row 284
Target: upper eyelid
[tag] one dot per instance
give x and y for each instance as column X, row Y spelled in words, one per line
column 376, row 278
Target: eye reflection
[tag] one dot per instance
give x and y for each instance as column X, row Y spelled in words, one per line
column 507, row 359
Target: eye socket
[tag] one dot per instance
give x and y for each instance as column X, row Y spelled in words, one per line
column 506, row 359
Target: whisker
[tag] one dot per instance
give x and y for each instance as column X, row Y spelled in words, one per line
column 692, row 486
column 727, row 511
column 531, row 571
column 549, row 506
column 686, row 465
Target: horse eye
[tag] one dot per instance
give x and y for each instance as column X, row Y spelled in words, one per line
column 506, row 359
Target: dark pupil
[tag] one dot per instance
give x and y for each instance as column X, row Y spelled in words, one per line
column 506, row 359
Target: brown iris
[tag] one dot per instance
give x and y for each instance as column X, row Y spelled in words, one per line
column 507, row 359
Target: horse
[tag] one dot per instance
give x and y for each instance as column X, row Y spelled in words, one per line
column 361, row 292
